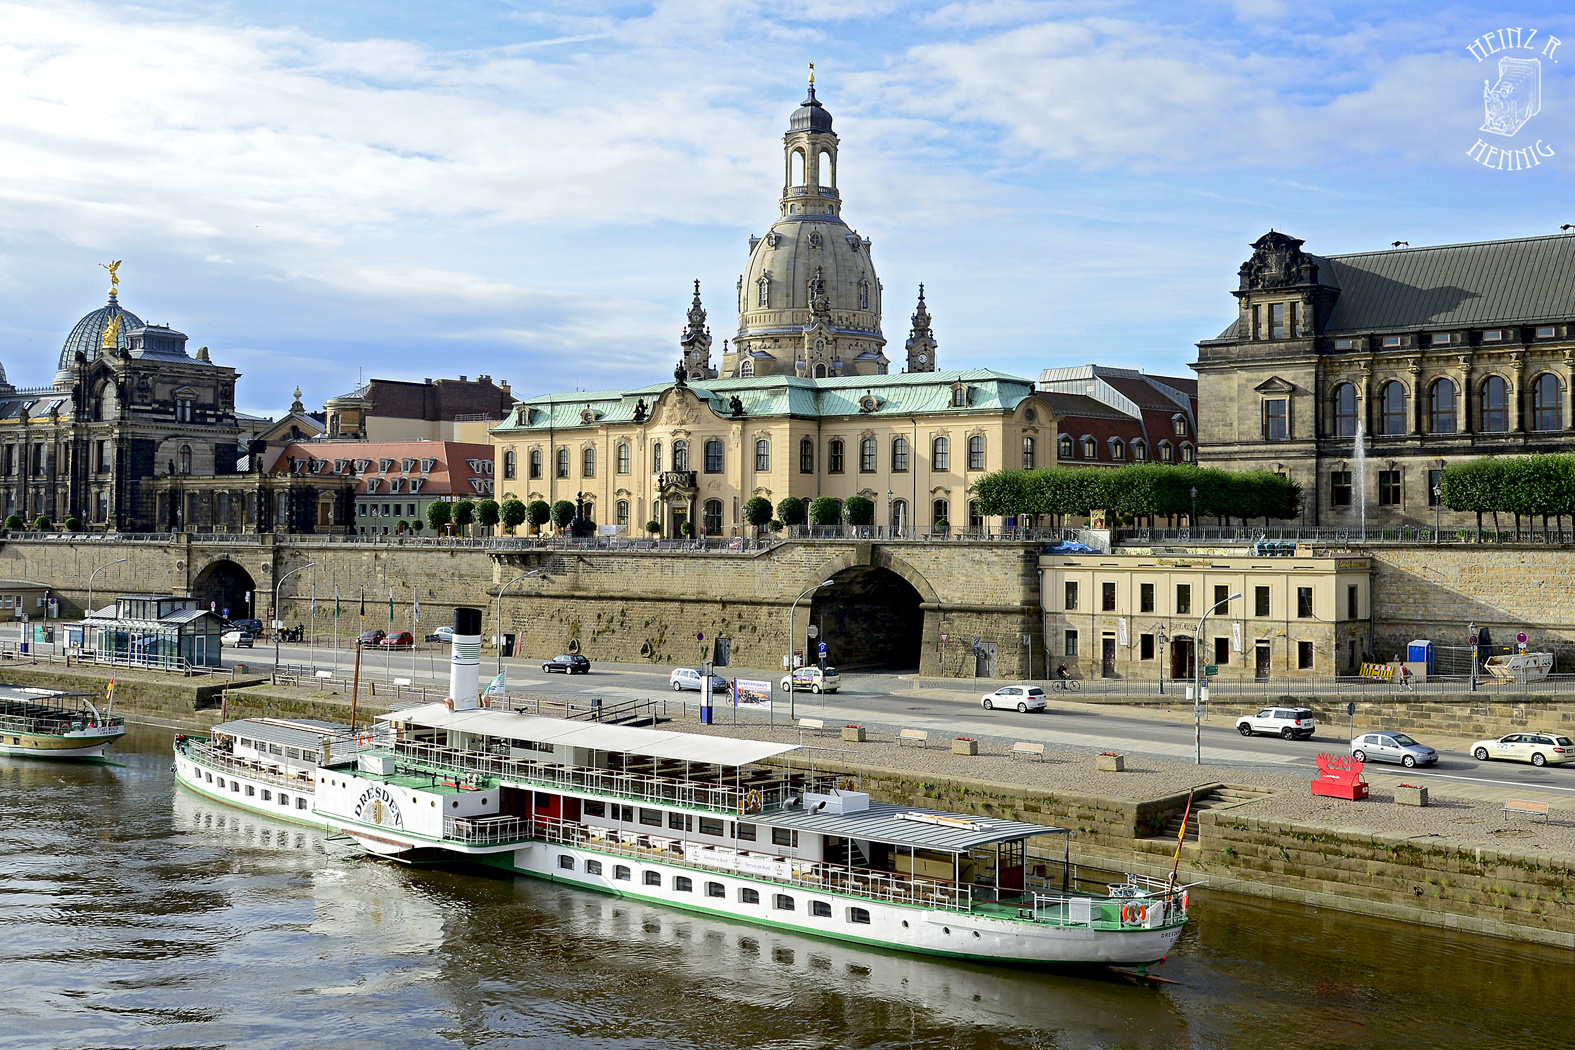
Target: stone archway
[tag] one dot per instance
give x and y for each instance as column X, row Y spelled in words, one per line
column 225, row 584
column 871, row 618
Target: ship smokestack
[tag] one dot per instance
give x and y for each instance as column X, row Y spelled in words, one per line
column 464, row 673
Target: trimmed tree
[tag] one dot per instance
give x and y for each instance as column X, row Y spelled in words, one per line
column 512, row 513
column 488, row 513
column 42, row 523
column 73, row 525
column 537, row 513
column 438, row 515
column 825, row 511
column 653, row 527
column 792, row 510
column 13, row 521
column 757, row 511
column 687, row 528
column 417, row 525
column 465, row 514
column 401, row 525
column 859, row 511
column 562, row 514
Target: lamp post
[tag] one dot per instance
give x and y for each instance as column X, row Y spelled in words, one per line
column 1438, row 510
column 506, row 586
column 1472, row 638
column 1160, row 637
column 276, row 619
column 1197, row 674
column 94, row 573
column 1193, row 521
column 792, row 620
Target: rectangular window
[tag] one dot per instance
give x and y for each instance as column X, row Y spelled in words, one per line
column 746, row 832
column 1183, row 598
column 859, row 916
column 593, row 867
column 594, row 809
column 1391, row 340
column 1071, row 595
column 784, row 837
column 834, row 458
column 1304, row 603
column 1146, row 597
column 1493, row 335
column 1145, row 647
column 1304, row 653
column 762, row 456
column 713, row 457
column 1441, row 338
column 820, row 909
column 1260, row 601
column 1339, row 488
column 782, row 902
column 1222, row 651
column 867, row 456
column 1350, row 602
column 1435, row 481
column 1277, row 321
column 652, row 878
column 710, row 826
column 1221, row 595
column 748, row 896
column 1107, row 597
column 651, row 817
column 623, row 459
column 1545, row 332
column 623, row 813
column 1388, row 488
column 677, row 822
column 1070, row 648
column 1275, row 424
column 1342, row 344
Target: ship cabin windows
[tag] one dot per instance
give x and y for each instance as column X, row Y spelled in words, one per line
column 820, row 909
column 859, row 916
column 784, row 837
column 746, row 832
column 680, row 822
column 566, row 862
column 748, row 896
column 651, row 817
column 300, row 803
column 653, row 878
column 594, row 808
column 235, row 785
column 621, row 873
column 250, row 790
column 593, row 867
column 683, row 884
column 715, row 889
column 710, row 826
column 782, row 902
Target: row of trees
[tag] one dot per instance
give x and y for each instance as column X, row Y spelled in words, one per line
column 42, row 523
column 1149, row 490
column 1535, row 486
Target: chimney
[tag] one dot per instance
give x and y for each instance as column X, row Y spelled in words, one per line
column 464, row 673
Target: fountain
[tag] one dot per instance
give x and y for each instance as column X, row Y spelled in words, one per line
column 1360, row 472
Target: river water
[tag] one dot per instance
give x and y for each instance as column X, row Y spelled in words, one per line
column 133, row 914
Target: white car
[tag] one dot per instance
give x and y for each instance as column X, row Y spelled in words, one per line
column 689, row 678
column 813, row 680
column 444, row 633
column 1287, row 722
column 1540, row 749
column 1023, row 697
column 236, row 638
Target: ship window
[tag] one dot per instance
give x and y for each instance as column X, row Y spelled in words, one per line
column 709, row 826
column 250, row 790
column 747, row 832
column 267, row 796
column 683, row 884
column 715, row 889
column 653, row 878
column 653, row 817
column 678, row 821
column 820, row 909
column 621, row 872
column 235, row 785
column 300, row 803
column 784, row 837
column 595, row 809
column 210, row 780
column 221, row 782
column 782, row 902
column 566, row 862
column 593, row 867
column 284, row 800
column 748, row 896
column 859, row 915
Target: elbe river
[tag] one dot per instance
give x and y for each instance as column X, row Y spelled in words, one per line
column 134, row 914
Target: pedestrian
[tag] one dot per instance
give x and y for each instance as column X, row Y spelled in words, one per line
column 1405, row 678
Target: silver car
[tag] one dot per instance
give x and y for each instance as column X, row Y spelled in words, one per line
column 1392, row 747
column 689, row 678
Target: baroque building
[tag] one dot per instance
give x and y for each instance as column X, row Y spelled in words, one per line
column 1363, row 376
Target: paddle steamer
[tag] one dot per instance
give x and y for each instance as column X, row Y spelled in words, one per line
column 751, row 830
column 47, row 723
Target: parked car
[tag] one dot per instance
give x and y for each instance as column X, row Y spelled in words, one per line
column 1392, row 747
column 568, row 663
column 444, row 633
column 398, row 640
column 1287, row 722
column 237, row 638
column 813, row 679
column 1023, row 697
column 370, row 638
column 1540, row 749
column 690, row 678
column 251, row 627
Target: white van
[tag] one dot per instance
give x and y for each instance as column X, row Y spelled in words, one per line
column 813, row 680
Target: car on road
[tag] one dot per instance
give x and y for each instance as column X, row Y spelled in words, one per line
column 236, row 638
column 813, row 679
column 370, row 638
column 444, row 633
column 1386, row 746
column 1287, row 722
column 568, row 663
column 251, row 627
column 1540, row 749
column 397, row 640
column 1023, row 697
column 689, row 678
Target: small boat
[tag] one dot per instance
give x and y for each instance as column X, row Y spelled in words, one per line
column 48, row 723
column 1520, row 667
column 265, row 765
column 775, row 835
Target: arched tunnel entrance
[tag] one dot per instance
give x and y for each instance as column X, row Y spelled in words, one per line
column 870, row 620
column 226, row 585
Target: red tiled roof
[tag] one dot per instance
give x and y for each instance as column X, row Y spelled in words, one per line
column 450, row 474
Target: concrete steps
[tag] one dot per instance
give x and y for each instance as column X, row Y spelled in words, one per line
column 1223, row 795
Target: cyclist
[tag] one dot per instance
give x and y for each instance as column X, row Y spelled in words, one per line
column 1062, row 673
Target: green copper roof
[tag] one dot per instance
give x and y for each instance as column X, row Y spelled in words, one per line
column 776, row 397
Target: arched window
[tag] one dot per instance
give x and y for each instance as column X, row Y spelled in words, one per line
column 867, row 456
column 535, row 463
column 1547, row 399
column 834, row 456
column 820, row 371
column 656, row 457
column 960, row 397
column 1442, row 401
column 899, row 516
column 1494, row 415
column 798, row 168
column 747, row 369
column 1187, row 455
column 1139, row 452
column 806, row 456
column 563, row 463
column 899, row 455
column 1345, row 410
column 1118, row 449
column 938, row 512
column 1028, row 452
column 622, row 510
column 588, row 463
column 941, row 454
column 508, row 464
column 712, row 519
column 1090, row 448
column 975, row 519
column 824, row 171
column 1064, row 446
column 1391, row 408
column 762, row 455
column 1167, row 454
column 713, row 456
column 185, row 459
column 976, row 452
column 623, row 457
column 680, row 455
column 864, row 295
column 764, row 298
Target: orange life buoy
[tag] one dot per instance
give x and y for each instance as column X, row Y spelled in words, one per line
column 1132, row 914
column 848, row 784
column 365, row 738
column 1184, row 901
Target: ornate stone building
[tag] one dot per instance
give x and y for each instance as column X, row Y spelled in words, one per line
column 1419, row 357
column 128, row 403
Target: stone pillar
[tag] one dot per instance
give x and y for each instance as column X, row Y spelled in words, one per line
column 1569, row 390
column 1468, row 420
column 1418, row 396
column 1517, row 419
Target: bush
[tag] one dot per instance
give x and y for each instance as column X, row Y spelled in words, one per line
column 773, row 525
column 687, row 528
column 653, row 527
column 942, row 523
column 512, row 514
column 42, row 523
column 1145, row 489
column 859, row 511
column 465, row 513
column 73, row 525
column 562, row 513
column 825, row 511
column 792, row 510
column 417, row 525
column 757, row 511
column 437, row 515
column 401, row 525
column 13, row 521
column 488, row 513
column 538, row 513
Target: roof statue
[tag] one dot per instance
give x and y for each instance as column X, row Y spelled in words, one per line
column 112, row 330
column 114, row 279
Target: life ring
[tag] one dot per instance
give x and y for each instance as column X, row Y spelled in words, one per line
column 753, row 801
column 848, row 784
column 1133, row 914
column 365, row 738
column 1184, row 900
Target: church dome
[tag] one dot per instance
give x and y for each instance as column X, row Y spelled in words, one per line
column 88, row 335
column 782, row 266
column 810, row 115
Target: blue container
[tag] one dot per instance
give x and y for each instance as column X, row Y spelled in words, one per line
column 1420, row 651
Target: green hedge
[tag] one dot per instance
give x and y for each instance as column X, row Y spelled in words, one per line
column 1536, row 486
column 1149, row 489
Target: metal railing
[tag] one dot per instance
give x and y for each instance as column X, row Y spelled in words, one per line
column 217, row 760
column 1283, row 689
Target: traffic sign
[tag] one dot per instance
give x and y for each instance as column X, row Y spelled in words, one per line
column 700, row 636
column 1211, row 669
column 1350, row 708
column 813, row 632
column 1521, row 637
column 945, row 636
column 822, row 649
column 1473, row 639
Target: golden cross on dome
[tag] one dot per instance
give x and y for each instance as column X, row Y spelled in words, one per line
column 114, row 278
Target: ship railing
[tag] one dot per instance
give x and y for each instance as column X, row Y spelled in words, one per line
column 1119, row 911
column 221, row 760
column 486, row 831
column 613, row 783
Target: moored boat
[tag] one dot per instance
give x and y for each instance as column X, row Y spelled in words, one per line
column 48, row 723
column 772, row 834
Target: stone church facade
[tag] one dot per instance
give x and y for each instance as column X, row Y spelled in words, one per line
column 1419, row 357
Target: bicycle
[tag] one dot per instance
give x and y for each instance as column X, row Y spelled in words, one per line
column 1065, row 685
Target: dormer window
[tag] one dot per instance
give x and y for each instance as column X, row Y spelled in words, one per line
column 406, row 466
column 1391, row 341
column 1090, row 448
column 396, row 484
column 372, row 484
column 341, row 465
column 1139, row 452
column 959, row 397
column 427, row 465
column 1442, row 338
column 1064, row 446
column 1545, row 332
column 361, row 465
column 474, row 465
column 415, row 484
column 1344, row 344
column 1493, row 335
column 1179, row 424
column 384, row 466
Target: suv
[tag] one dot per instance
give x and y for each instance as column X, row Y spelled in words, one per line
column 251, row 627
column 814, row 679
column 1288, row 722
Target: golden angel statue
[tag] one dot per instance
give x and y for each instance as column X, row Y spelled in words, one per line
column 112, row 332
column 114, row 278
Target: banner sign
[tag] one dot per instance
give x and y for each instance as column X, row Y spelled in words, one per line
column 752, row 694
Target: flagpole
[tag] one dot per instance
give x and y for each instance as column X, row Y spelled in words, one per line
column 311, row 631
column 415, row 628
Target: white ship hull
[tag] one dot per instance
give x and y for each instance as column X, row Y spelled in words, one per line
column 69, row 746
column 254, row 794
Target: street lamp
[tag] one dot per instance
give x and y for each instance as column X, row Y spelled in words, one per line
column 793, row 619
column 1471, row 636
column 506, row 586
column 94, row 573
column 276, row 620
column 1193, row 521
column 1438, row 509
column 1197, row 674
column 1160, row 636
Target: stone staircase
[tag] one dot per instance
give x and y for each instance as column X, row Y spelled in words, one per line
column 1222, row 795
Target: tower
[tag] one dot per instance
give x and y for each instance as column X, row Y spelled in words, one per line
column 696, row 342
column 921, row 341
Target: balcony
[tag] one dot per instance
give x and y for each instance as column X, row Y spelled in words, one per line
column 676, row 481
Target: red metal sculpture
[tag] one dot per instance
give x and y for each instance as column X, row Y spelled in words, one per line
column 1339, row 776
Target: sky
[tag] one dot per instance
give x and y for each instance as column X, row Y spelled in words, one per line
column 328, row 191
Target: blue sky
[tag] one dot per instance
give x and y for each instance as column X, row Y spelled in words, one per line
column 320, row 191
